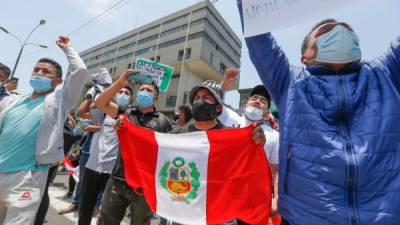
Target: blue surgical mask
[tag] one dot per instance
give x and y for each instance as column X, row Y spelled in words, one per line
column 40, row 84
column 122, row 100
column 144, row 99
column 339, row 45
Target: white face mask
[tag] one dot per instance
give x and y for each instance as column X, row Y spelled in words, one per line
column 254, row 114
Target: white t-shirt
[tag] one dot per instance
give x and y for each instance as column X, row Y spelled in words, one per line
column 230, row 118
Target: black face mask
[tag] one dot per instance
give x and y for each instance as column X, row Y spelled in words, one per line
column 203, row 111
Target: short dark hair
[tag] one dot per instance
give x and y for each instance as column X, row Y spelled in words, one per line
column 304, row 45
column 129, row 89
column 153, row 84
column 186, row 111
column 55, row 64
column 6, row 70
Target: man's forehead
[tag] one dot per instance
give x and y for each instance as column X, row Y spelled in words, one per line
column 45, row 65
column 258, row 96
column 203, row 91
column 147, row 86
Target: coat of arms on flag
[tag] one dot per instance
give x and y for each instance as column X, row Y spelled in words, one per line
column 180, row 179
column 205, row 177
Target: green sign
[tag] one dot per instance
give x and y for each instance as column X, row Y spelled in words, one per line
column 160, row 73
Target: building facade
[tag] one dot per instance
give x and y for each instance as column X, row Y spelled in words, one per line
column 196, row 41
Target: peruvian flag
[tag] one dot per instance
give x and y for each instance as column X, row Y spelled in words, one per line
column 74, row 171
column 208, row 177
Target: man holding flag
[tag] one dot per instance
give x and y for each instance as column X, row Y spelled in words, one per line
column 197, row 177
column 118, row 195
column 339, row 146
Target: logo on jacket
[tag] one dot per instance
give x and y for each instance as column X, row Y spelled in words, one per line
column 181, row 180
column 25, row 196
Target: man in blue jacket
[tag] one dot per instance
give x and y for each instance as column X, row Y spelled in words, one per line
column 340, row 128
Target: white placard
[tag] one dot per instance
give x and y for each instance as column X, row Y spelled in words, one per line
column 262, row 16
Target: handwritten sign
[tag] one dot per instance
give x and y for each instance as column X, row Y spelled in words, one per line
column 160, row 73
column 262, row 16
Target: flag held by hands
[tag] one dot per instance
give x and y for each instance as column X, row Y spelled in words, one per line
column 207, row 177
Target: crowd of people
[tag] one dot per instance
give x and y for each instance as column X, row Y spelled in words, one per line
column 335, row 150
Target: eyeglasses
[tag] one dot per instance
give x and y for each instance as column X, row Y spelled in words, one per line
column 260, row 98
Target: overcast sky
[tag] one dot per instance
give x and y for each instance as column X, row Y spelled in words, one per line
column 376, row 22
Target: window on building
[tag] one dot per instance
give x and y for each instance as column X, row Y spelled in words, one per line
column 185, row 96
column 152, row 58
column 180, row 55
column 211, row 58
column 222, row 68
column 188, row 53
column 129, row 65
column 158, row 58
column 171, row 101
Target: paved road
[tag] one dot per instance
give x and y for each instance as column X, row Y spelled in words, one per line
column 56, row 192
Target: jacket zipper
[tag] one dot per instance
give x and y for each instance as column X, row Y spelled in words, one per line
column 289, row 156
column 351, row 174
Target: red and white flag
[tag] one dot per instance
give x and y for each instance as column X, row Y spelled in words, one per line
column 208, row 177
column 74, row 171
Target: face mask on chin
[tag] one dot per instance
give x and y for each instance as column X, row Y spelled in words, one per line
column 203, row 111
column 338, row 46
column 253, row 114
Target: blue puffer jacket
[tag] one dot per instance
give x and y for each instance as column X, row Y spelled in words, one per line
column 340, row 137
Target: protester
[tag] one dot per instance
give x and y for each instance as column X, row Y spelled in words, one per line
column 103, row 155
column 207, row 107
column 184, row 115
column 4, row 75
column 118, row 195
column 90, row 128
column 31, row 135
column 256, row 109
column 12, row 85
column 339, row 155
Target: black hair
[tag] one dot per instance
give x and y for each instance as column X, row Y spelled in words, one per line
column 6, row 70
column 186, row 111
column 55, row 64
column 129, row 89
column 304, row 45
column 153, row 84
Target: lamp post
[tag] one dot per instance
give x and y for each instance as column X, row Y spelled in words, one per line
column 24, row 43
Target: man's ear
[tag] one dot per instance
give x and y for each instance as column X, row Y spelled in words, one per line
column 219, row 108
column 57, row 81
column 304, row 60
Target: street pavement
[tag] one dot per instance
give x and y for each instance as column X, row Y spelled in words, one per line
column 56, row 192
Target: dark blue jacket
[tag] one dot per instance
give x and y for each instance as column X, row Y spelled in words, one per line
column 340, row 137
